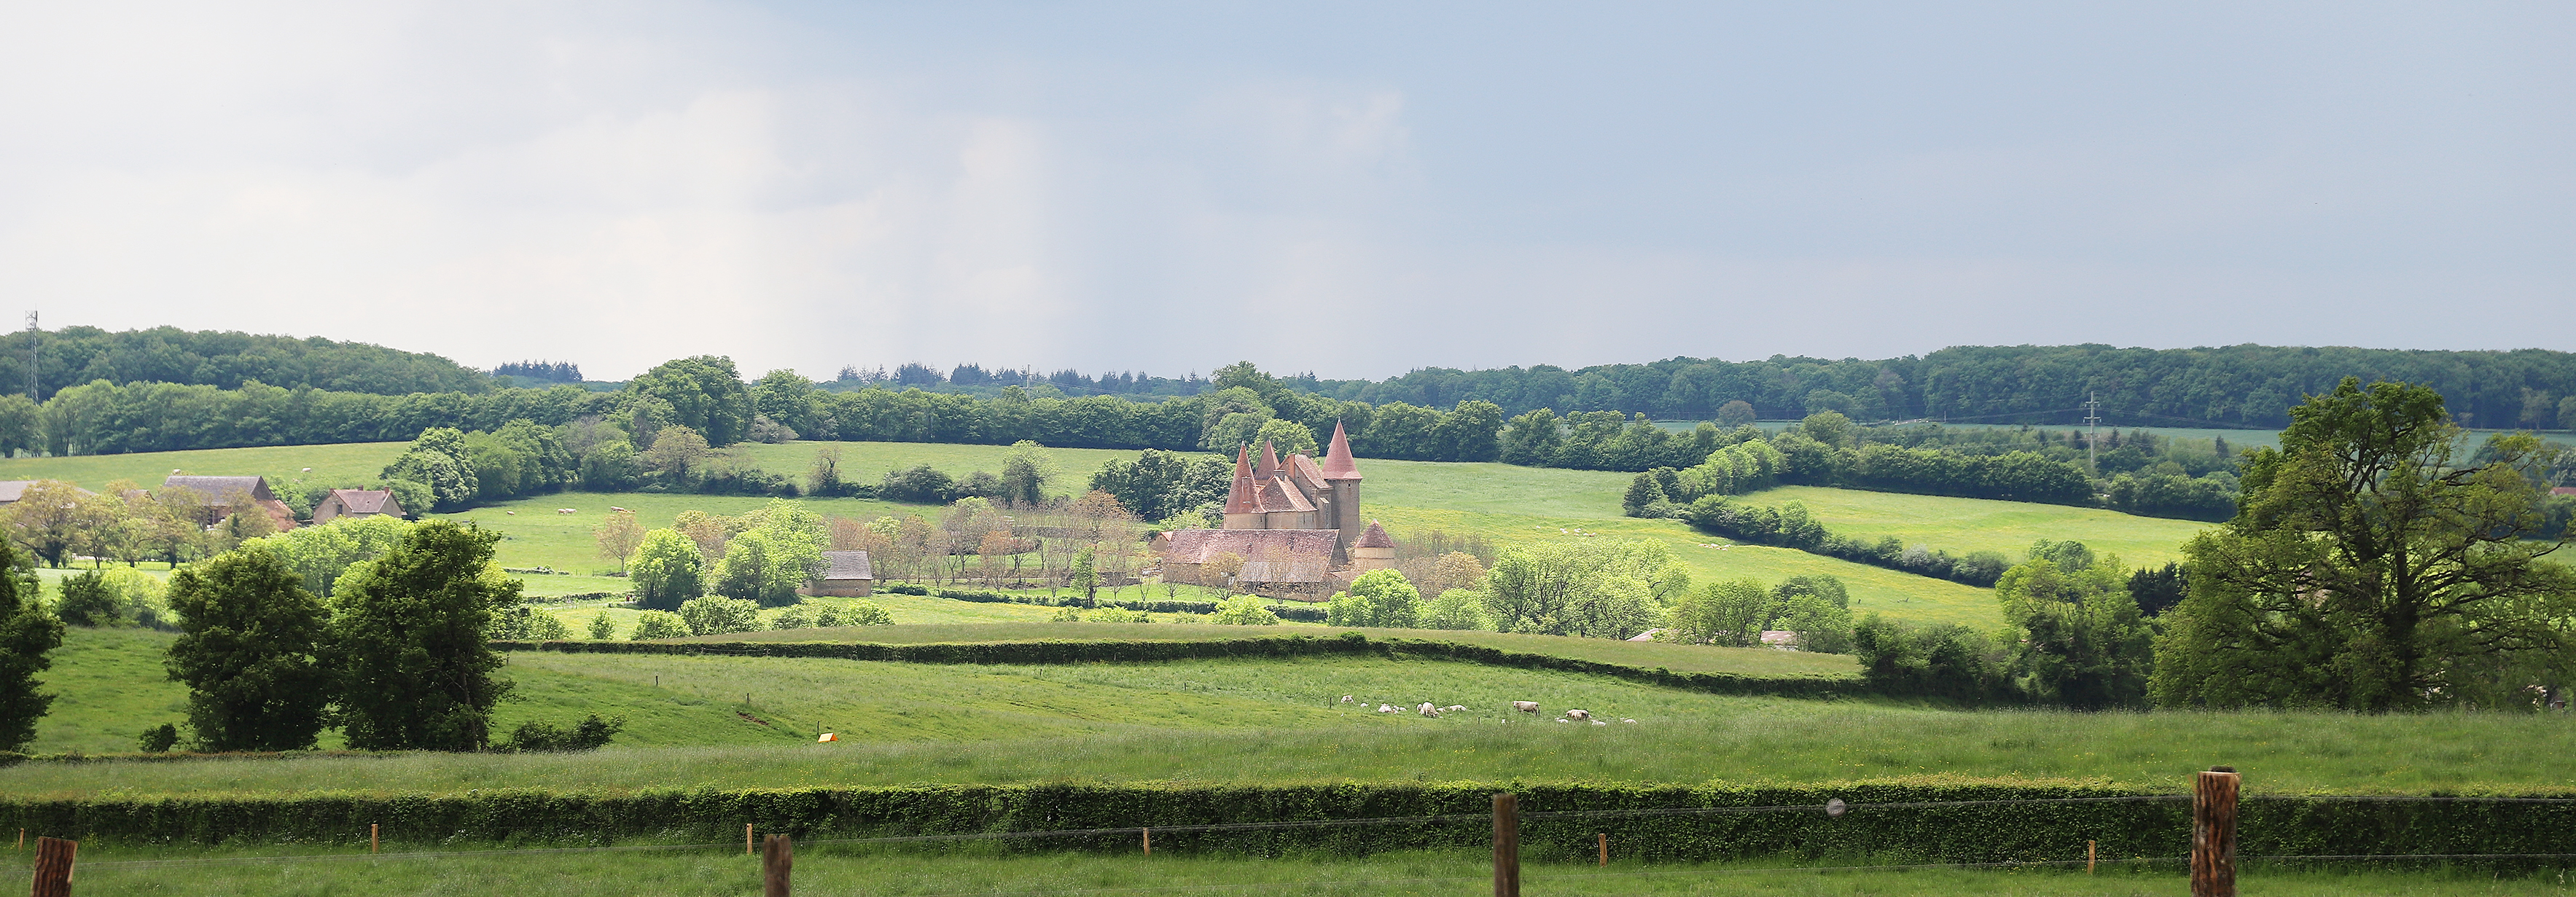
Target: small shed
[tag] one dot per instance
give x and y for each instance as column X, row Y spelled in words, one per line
column 356, row 503
column 846, row 574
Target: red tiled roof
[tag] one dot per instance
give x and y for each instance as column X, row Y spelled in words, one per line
column 1376, row 537
column 1269, row 466
column 1270, row 555
column 2562, row 490
column 1338, row 464
column 1302, row 470
column 1240, row 499
column 1279, row 496
column 219, row 488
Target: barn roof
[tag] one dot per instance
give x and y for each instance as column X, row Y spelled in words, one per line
column 218, row 487
column 366, row 501
column 847, row 565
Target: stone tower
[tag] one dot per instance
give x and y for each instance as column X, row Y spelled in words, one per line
column 1342, row 474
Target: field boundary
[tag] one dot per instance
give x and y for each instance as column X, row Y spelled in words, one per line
column 1113, row 651
column 1953, row 822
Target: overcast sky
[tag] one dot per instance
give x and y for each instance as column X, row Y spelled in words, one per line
column 1353, row 189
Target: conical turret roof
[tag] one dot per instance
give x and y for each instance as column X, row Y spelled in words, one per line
column 1240, row 499
column 1269, row 466
column 1376, row 537
column 1338, row 464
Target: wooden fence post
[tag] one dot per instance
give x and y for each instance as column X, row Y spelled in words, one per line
column 2088, row 856
column 2213, row 833
column 1605, row 848
column 54, row 867
column 777, row 856
column 746, row 839
column 373, row 843
column 1149, row 840
column 1507, row 846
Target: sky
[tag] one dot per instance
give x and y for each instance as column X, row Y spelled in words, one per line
column 1351, row 189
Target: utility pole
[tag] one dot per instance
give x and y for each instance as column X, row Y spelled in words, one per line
column 2093, row 433
column 32, row 383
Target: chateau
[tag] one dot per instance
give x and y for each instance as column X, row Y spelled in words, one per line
column 1294, row 524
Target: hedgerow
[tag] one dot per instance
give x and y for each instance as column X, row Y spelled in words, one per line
column 1299, row 613
column 1968, row 822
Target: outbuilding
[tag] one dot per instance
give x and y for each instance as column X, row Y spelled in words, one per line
column 356, row 503
column 846, row 574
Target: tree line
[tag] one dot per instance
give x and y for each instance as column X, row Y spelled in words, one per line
column 224, row 360
column 375, row 627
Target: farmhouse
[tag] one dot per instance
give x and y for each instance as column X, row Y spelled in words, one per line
column 846, row 574
column 356, row 503
column 222, row 492
column 1291, row 526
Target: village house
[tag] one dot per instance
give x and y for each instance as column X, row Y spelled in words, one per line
column 219, row 493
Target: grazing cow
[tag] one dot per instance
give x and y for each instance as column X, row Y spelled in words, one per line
column 1577, row 714
column 1599, row 723
column 617, row 509
column 563, row 510
column 511, row 513
column 1427, row 710
column 1381, row 708
column 1453, row 708
column 1629, row 721
column 1525, row 706
column 1346, row 699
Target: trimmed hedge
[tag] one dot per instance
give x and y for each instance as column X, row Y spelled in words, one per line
column 1347, row 643
column 1298, row 612
column 1957, row 833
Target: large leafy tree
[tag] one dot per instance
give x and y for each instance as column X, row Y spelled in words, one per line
column 2083, row 644
column 249, row 649
column 409, row 642
column 704, row 394
column 2366, row 570
column 440, row 460
column 667, row 570
column 27, row 634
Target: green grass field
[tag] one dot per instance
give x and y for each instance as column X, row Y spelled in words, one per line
column 829, row 869
column 354, row 462
column 1963, row 525
column 1271, row 722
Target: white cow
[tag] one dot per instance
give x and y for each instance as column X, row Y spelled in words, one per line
column 1453, row 708
column 1382, row 708
column 1427, row 710
column 1577, row 714
column 1346, row 699
column 1525, row 706
column 564, row 510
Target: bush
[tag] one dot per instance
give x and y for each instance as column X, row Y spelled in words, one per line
column 1244, row 610
column 158, row 739
column 591, row 734
column 717, row 615
column 1115, row 615
column 528, row 624
column 659, row 624
column 87, row 601
column 1456, row 609
column 601, row 627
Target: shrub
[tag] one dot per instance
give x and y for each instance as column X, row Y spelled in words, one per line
column 717, row 615
column 860, row 613
column 601, row 627
column 1456, row 609
column 524, row 623
column 591, row 734
column 158, row 739
column 87, row 601
column 1114, row 615
column 658, row 624
column 1244, row 610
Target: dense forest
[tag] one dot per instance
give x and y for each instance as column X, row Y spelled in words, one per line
column 2237, row 386
column 225, row 359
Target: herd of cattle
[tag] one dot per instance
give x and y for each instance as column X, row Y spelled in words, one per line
column 1572, row 715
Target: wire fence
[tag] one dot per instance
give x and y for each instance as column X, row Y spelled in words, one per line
column 1145, row 834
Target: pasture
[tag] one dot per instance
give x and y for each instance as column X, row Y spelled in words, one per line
column 1503, row 503
column 828, row 869
column 1269, row 721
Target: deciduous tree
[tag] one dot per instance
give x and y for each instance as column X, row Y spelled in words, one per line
column 408, row 642
column 27, row 635
column 250, row 650
column 618, row 535
column 2367, row 570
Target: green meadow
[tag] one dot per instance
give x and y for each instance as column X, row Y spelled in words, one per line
column 835, row 869
column 284, row 466
column 1963, row 525
column 732, row 722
